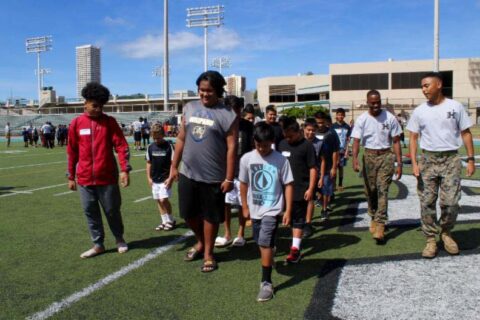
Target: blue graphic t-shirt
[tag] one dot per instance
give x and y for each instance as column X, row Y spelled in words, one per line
column 344, row 131
column 265, row 177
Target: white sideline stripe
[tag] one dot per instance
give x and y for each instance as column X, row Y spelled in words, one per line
column 142, row 199
column 14, row 193
column 34, row 165
column 65, row 303
column 63, row 193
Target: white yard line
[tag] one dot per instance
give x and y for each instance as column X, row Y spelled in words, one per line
column 142, row 199
column 62, row 193
column 14, row 193
column 33, row 165
column 75, row 297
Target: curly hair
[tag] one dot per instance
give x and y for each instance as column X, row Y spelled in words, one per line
column 216, row 80
column 96, row 92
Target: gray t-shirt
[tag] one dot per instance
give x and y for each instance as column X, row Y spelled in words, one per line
column 439, row 126
column 204, row 156
column 376, row 132
column 265, row 177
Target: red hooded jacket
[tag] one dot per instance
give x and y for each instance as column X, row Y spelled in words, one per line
column 90, row 150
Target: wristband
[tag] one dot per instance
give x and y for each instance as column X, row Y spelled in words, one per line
column 470, row 159
column 229, row 181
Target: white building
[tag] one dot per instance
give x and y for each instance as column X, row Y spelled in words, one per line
column 235, row 85
column 88, row 66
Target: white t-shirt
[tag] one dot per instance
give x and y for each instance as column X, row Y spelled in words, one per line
column 439, row 126
column 376, row 132
column 137, row 126
column 7, row 129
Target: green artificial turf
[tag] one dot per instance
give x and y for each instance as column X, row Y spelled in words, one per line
column 42, row 236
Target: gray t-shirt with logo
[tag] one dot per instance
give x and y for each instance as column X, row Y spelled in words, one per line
column 439, row 126
column 265, row 177
column 204, row 156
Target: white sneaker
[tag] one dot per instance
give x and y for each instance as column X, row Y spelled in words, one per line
column 122, row 247
column 239, row 242
column 221, row 242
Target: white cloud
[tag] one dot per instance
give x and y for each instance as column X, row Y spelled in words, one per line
column 151, row 45
column 115, row 22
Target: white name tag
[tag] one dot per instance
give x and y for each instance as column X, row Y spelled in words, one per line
column 85, row 132
column 286, row 154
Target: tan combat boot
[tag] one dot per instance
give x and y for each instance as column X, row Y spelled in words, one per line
column 448, row 243
column 430, row 250
column 373, row 226
column 379, row 233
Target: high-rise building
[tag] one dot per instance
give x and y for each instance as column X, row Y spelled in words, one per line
column 88, row 66
column 235, row 85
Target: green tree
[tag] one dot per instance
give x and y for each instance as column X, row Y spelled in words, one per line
column 306, row 112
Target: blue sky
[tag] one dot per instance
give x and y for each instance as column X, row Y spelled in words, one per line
column 262, row 38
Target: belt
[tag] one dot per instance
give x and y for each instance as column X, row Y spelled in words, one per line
column 440, row 153
column 378, row 151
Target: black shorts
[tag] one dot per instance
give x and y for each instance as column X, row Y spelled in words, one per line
column 137, row 136
column 200, row 199
column 299, row 214
column 264, row 230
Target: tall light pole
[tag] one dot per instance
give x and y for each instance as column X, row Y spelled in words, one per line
column 436, row 63
column 204, row 17
column 38, row 45
column 221, row 62
column 43, row 72
column 160, row 72
column 165, row 55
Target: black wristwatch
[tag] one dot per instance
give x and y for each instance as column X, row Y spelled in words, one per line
column 470, row 159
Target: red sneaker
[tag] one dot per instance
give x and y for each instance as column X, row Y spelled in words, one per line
column 294, row 256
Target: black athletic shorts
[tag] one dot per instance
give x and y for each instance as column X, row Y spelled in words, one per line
column 137, row 136
column 201, row 199
column 299, row 214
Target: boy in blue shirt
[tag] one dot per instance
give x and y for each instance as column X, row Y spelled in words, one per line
column 266, row 189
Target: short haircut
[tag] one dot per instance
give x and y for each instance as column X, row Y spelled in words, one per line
column 263, row 132
column 234, row 102
column 437, row 75
column 96, row 92
column 215, row 79
column 340, row 110
column 290, row 124
column 270, row 108
column 310, row 122
column 373, row 92
column 157, row 129
column 321, row 115
column 249, row 109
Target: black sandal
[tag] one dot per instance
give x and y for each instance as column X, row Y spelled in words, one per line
column 167, row 226
column 192, row 254
column 209, row 266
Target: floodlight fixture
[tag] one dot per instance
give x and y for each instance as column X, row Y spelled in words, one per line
column 221, row 62
column 38, row 45
column 204, row 17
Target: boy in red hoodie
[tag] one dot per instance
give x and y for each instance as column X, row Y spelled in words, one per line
column 92, row 166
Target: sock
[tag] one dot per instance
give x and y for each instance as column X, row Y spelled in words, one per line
column 267, row 274
column 170, row 217
column 165, row 218
column 340, row 181
column 296, row 242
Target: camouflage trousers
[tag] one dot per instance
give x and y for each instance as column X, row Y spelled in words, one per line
column 378, row 171
column 439, row 173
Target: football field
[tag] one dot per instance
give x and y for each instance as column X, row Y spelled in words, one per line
column 344, row 274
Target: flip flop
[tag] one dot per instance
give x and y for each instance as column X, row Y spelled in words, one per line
column 209, row 266
column 192, row 254
column 221, row 242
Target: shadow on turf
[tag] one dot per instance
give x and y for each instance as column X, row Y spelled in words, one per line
column 7, row 190
column 152, row 242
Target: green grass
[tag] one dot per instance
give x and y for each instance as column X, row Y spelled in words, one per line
column 42, row 236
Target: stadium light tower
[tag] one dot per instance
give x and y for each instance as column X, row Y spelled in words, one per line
column 436, row 64
column 221, row 62
column 204, row 17
column 160, row 72
column 166, row 68
column 38, row 45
